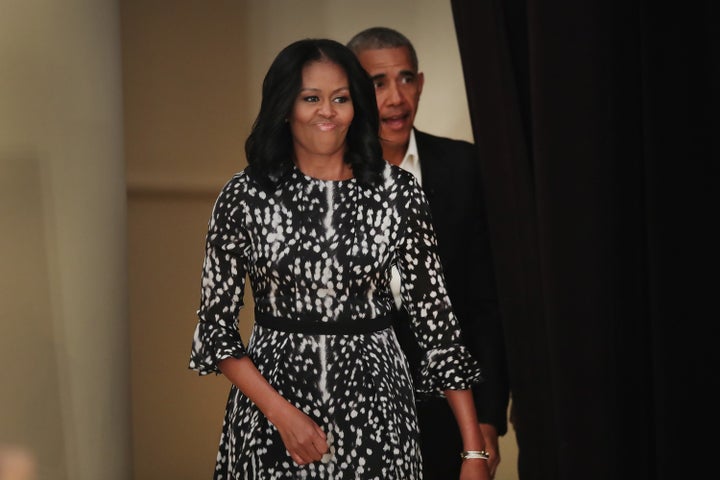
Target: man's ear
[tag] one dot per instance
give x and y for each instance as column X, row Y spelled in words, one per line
column 420, row 81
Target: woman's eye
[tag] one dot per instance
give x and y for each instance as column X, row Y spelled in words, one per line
column 311, row 99
column 341, row 99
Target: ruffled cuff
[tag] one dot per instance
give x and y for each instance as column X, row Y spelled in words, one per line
column 447, row 368
column 211, row 344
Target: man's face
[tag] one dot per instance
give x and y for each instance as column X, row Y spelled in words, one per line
column 397, row 90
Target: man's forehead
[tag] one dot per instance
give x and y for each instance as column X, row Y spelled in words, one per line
column 386, row 60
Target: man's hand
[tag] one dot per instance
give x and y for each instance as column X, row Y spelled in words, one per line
column 492, row 446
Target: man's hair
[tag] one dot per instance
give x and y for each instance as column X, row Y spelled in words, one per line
column 375, row 38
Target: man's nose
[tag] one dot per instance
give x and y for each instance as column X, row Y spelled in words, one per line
column 394, row 95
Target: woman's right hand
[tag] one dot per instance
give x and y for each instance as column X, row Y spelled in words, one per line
column 303, row 438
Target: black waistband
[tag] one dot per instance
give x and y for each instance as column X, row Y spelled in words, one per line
column 347, row 327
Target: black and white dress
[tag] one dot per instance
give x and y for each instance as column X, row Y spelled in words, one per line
column 319, row 251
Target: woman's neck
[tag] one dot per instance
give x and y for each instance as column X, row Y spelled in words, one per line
column 324, row 167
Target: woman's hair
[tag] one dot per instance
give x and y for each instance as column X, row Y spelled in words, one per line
column 269, row 148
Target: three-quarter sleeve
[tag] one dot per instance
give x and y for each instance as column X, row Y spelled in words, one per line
column 447, row 363
column 216, row 335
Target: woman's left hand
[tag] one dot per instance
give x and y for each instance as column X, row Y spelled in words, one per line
column 474, row 469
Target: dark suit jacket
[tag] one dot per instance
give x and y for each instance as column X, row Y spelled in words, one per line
column 452, row 181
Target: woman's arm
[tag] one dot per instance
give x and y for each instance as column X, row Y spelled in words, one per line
column 461, row 403
column 303, row 438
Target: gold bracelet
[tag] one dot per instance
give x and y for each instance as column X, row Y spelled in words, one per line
column 475, row 454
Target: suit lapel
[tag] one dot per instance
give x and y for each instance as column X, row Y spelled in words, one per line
column 433, row 175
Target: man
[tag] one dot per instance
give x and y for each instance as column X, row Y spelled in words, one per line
column 449, row 173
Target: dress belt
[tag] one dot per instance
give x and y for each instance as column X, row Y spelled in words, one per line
column 345, row 327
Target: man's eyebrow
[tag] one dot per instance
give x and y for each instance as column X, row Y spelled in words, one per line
column 403, row 73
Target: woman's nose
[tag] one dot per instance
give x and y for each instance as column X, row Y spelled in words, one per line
column 326, row 108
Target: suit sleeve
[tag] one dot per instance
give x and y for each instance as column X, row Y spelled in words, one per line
column 453, row 177
column 479, row 312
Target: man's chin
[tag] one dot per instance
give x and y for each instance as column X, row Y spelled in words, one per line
column 395, row 139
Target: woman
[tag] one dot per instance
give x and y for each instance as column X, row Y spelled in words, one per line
column 316, row 221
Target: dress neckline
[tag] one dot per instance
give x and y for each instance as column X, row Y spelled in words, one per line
column 311, row 179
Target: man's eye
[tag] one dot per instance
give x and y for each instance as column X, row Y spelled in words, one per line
column 378, row 84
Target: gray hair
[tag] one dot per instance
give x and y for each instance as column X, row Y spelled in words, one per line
column 375, row 38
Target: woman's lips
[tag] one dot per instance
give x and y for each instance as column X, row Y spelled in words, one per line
column 326, row 127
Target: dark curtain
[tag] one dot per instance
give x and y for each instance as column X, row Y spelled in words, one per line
column 594, row 121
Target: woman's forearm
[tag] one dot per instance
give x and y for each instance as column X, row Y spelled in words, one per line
column 243, row 373
column 463, row 407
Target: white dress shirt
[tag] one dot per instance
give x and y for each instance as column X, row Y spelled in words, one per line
column 411, row 163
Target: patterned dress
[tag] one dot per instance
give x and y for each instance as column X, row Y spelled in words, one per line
column 321, row 251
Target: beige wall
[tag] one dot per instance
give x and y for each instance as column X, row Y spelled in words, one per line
column 64, row 382
column 192, row 72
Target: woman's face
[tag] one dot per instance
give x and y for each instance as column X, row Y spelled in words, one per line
column 322, row 112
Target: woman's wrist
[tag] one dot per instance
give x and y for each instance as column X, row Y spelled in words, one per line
column 474, row 454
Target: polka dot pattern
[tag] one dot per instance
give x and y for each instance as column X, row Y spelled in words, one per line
column 321, row 251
